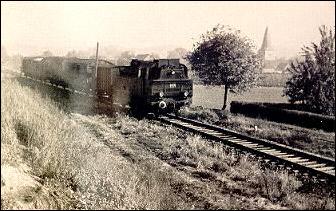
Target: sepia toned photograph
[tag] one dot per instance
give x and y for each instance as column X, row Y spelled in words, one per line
column 168, row 105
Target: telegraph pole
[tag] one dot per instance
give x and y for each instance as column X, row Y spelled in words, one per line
column 94, row 76
column 96, row 69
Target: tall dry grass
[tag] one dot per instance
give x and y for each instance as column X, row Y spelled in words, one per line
column 73, row 169
column 231, row 181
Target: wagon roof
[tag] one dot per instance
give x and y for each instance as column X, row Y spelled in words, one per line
column 102, row 62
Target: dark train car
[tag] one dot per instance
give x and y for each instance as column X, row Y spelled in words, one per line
column 146, row 86
column 74, row 73
column 160, row 85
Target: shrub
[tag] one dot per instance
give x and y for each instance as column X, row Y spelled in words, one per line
column 300, row 118
column 313, row 79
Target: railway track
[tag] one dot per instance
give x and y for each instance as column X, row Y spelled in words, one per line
column 282, row 155
column 293, row 159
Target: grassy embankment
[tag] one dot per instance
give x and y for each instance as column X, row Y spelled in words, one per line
column 63, row 164
column 94, row 162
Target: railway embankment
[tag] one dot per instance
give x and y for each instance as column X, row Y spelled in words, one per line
column 89, row 161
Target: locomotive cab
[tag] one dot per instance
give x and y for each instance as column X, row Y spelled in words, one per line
column 165, row 84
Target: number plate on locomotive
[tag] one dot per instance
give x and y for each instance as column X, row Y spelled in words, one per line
column 172, row 85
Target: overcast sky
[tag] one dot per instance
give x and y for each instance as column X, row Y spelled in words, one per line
column 29, row 27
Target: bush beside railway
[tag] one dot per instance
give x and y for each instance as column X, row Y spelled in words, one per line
column 279, row 114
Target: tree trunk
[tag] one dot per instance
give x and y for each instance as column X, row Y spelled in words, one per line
column 226, row 88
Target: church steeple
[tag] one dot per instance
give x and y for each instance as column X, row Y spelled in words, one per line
column 266, row 45
column 266, row 49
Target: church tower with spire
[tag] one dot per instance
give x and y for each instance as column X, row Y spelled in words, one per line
column 266, row 51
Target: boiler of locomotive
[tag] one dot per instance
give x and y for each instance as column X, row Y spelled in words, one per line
column 168, row 86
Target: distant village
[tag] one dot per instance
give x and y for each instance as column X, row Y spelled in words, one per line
column 271, row 63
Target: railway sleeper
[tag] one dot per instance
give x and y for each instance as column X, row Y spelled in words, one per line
column 317, row 165
column 274, row 152
column 261, row 148
column 203, row 129
column 325, row 169
column 225, row 136
column 306, row 163
column 250, row 145
column 236, row 139
column 239, row 141
column 182, row 123
column 331, row 171
column 286, row 156
column 297, row 159
column 215, row 133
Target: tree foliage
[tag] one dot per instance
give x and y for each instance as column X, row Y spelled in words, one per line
column 225, row 57
column 313, row 79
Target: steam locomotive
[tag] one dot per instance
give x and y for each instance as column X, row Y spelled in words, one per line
column 157, row 86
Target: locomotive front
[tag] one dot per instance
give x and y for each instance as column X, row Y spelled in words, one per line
column 168, row 86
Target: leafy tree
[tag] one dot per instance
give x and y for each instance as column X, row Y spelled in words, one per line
column 313, row 79
column 225, row 57
column 298, row 86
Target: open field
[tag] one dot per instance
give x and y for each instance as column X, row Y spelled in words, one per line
column 213, row 97
column 70, row 160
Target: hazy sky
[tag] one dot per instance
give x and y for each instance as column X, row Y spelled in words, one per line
column 29, row 27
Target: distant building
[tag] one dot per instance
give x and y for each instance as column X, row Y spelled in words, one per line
column 267, row 53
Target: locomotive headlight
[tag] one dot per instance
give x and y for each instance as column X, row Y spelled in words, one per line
column 161, row 94
column 185, row 93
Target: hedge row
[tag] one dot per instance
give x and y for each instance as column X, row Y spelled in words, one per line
column 279, row 114
column 289, row 106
